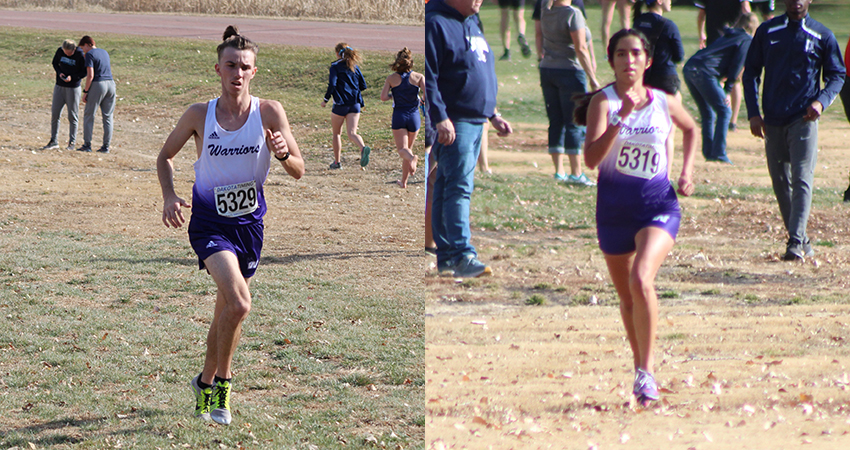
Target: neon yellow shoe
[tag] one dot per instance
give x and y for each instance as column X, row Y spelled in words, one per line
column 221, row 403
column 203, row 398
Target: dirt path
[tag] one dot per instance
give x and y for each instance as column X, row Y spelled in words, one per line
column 751, row 352
column 271, row 31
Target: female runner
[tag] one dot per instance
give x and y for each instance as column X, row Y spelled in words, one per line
column 403, row 87
column 345, row 86
column 637, row 212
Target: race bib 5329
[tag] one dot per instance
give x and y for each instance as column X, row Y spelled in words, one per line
column 236, row 199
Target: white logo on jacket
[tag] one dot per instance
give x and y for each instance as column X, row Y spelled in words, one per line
column 479, row 45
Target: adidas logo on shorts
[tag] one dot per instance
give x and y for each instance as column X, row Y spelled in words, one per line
column 213, row 135
column 212, row 244
column 253, row 264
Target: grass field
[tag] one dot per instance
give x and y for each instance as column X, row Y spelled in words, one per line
column 751, row 351
column 397, row 12
column 104, row 313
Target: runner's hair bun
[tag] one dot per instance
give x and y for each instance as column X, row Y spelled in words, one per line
column 230, row 32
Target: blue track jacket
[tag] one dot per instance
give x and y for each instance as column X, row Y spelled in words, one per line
column 460, row 70
column 723, row 58
column 794, row 56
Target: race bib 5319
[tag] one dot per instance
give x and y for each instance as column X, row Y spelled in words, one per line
column 640, row 159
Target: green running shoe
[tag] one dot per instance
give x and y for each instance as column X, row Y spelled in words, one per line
column 364, row 156
column 203, row 398
column 221, row 403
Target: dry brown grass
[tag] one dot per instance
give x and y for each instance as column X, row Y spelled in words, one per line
column 397, row 12
column 751, row 351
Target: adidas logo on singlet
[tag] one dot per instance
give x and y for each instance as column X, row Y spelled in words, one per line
column 213, row 135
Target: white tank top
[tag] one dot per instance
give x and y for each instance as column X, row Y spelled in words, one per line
column 231, row 170
column 633, row 176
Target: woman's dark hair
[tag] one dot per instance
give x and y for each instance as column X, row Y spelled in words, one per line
column 232, row 38
column 636, row 9
column 348, row 54
column 403, row 61
column 582, row 101
column 625, row 32
column 86, row 40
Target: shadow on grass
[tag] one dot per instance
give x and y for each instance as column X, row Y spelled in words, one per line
column 340, row 256
column 78, row 430
column 175, row 261
column 734, row 277
column 284, row 260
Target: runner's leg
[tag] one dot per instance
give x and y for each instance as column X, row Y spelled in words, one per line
column 233, row 303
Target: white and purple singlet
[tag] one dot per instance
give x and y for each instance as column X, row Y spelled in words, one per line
column 231, row 170
column 634, row 189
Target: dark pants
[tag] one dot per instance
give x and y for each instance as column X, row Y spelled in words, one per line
column 713, row 110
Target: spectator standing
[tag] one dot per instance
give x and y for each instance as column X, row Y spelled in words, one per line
column 565, row 70
column 792, row 52
column 624, row 8
column 538, row 32
column 69, row 63
column 461, row 89
column 722, row 59
column 98, row 93
column 512, row 8
column 713, row 18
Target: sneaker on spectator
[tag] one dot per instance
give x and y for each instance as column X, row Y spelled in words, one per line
column 471, row 267
column 523, row 45
column 580, row 180
column 50, row 145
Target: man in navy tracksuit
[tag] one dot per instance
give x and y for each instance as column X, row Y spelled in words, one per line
column 460, row 81
column 795, row 51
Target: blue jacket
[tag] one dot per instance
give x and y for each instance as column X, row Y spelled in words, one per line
column 723, row 58
column 667, row 46
column 794, row 56
column 460, row 71
column 345, row 85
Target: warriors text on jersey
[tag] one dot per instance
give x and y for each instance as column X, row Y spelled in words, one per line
column 231, row 170
column 633, row 180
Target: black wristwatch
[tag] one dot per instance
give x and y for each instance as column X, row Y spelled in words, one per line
column 285, row 157
column 85, row 91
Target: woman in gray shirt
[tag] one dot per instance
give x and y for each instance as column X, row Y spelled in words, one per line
column 565, row 70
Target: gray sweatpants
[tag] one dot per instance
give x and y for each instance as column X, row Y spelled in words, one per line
column 792, row 152
column 101, row 94
column 70, row 97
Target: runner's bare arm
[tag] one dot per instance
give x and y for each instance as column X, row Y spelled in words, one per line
column 421, row 83
column 686, row 123
column 600, row 137
column 280, row 139
column 385, row 92
column 190, row 124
